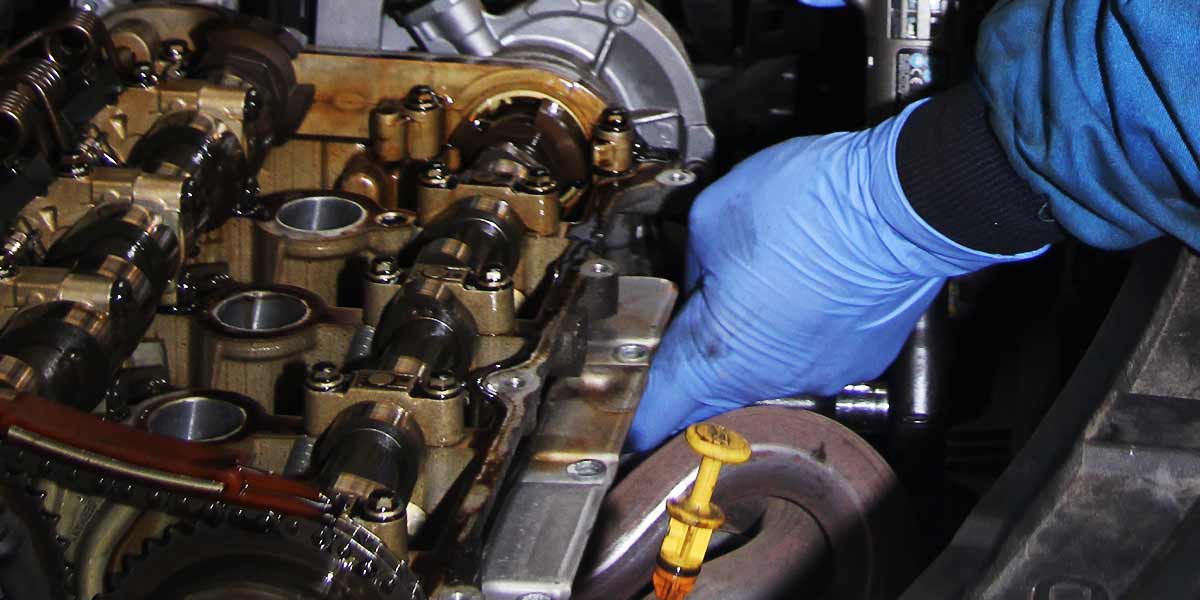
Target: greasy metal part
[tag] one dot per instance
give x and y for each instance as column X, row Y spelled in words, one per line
column 68, row 200
column 197, row 419
column 438, row 194
column 369, row 460
column 348, row 87
column 484, row 236
column 318, row 240
column 574, row 452
column 518, row 134
column 420, row 126
column 252, row 341
column 280, row 558
column 864, row 408
column 424, row 325
column 65, row 444
column 472, row 300
column 917, row 390
column 104, row 463
column 371, row 446
column 800, row 457
column 95, row 548
column 612, row 151
column 625, row 46
column 439, row 406
column 34, row 565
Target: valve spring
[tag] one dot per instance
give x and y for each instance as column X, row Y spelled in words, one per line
column 76, row 38
column 46, row 77
column 16, row 109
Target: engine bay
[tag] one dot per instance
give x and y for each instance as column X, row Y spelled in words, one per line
column 361, row 306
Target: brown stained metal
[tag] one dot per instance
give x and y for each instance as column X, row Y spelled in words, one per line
column 798, row 456
column 441, row 420
column 175, row 22
column 125, row 122
column 541, row 213
column 137, row 450
column 253, row 358
column 68, row 200
column 318, row 257
column 348, row 88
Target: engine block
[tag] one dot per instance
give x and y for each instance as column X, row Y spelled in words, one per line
column 300, row 323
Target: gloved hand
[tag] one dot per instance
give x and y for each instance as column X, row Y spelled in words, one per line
column 807, row 270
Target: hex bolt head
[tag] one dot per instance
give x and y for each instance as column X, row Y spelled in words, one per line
column 631, row 353
column 144, row 76
column 615, row 119
column 7, row 268
column 537, row 181
column 175, row 50
column 443, row 381
column 75, row 165
column 383, row 505
column 586, row 468
column 500, row 381
column 621, row 12
column 493, row 278
column 435, row 174
column 676, row 177
column 252, row 104
column 442, row 385
column 422, row 98
column 324, row 377
column 383, row 270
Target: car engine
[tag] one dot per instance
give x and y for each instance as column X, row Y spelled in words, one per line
column 357, row 300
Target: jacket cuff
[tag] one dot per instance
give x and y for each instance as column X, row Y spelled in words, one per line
column 957, row 179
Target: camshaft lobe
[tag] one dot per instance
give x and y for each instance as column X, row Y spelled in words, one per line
column 67, row 351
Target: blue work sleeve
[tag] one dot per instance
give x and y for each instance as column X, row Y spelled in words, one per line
column 1097, row 104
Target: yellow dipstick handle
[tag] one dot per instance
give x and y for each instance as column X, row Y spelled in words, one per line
column 694, row 518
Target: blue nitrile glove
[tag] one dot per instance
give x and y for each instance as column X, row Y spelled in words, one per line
column 807, row 269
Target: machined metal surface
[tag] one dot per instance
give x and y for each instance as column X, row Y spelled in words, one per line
column 546, row 521
column 354, row 313
column 627, row 46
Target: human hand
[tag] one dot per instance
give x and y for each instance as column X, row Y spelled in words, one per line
column 807, row 270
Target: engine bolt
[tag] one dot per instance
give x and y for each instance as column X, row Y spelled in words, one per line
column 325, row 377
column 493, row 278
column 383, row 270
column 631, row 353
column 435, row 174
column 75, row 165
column 538, row 181
column 422, row 98
column 443, row 384
column 252, row 104
column 383, row 506
column 175, row 51
column 586, row 468
column 7, row 269
column 143, row 75
column 614, row 119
